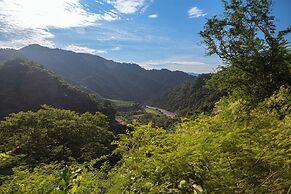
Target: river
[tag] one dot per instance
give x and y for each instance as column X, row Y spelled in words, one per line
column 165, row 112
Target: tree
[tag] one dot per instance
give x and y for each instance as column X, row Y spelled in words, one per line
column 54, row 179
column 50, row 135
column 236, row 150
column 255, row 55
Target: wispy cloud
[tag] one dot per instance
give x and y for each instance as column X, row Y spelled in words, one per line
column 124, row 33
column 153, row 16
column 24, row 22
column 105, row 51
column 129, row 6
column 180, row 63
column 34, row 18
column 83, row 49
column 195, row 12
column 101, row 51
column 13, row 38
column 80, row 49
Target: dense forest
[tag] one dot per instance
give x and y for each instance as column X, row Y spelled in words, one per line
column 106, row 78
column 189, row 98
column 25, row 86
column 238, row 141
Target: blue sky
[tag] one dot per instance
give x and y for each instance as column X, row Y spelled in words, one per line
column 153, row 33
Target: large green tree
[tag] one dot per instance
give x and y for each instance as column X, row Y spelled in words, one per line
column 50, row 135
column 255, row 54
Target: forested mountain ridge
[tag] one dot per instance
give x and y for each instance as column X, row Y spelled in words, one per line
column 190, row 97
column 25, row 86
column 108, row 78
column 9, row 54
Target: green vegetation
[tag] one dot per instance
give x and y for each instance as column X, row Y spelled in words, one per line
column 25, row 86
column 153, row 111
column 55, row 179
column 237, row 149
column 121, row 103
column 144, row 115
column 125, row 106
column 190, row 98
column 242, row 146
column 50, row 135
column 108, row 78
column 257, row 61
column 129, row 112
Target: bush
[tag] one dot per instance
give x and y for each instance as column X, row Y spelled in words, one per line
column 51, row 134
column 238, row 149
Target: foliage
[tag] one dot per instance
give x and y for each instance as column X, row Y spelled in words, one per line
column 242, row 147
column 159, row 120
column 239, row 149
column 51, row 134
column 108, row 78
column 189, row 98
column 145, row 115
column 54, row 179
column 256, row 57
column 25, row 86
column 125, row 106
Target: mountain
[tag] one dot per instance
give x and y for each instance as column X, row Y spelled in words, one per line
column 25, row 86
column 190, row 97
column 108, row 78
column 8, row 54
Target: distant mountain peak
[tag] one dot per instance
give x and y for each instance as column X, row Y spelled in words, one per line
column 34, row 46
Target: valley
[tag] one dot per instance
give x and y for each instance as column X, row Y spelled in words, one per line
column 75, row 121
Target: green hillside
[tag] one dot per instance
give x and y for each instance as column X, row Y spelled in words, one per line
column 25, row 86
column 190, row 97
column 110, row 79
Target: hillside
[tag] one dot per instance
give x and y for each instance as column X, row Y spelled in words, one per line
column 26, row 86
column 8, row 54
column 192, row 96
column 108, row 78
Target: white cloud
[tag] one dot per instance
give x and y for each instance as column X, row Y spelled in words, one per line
column 45, row 13
column 32, row 19
column 80, row 49
column 101, row 51
column 153, row 16
column 195, row 12
column 181, row 64
column 105, row 51
column 129, row 6
column 109, row 16
column 11, row 38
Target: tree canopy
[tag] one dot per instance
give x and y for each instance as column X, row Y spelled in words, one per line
column 50, row 135
column 255, row 54
column 239, row 149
